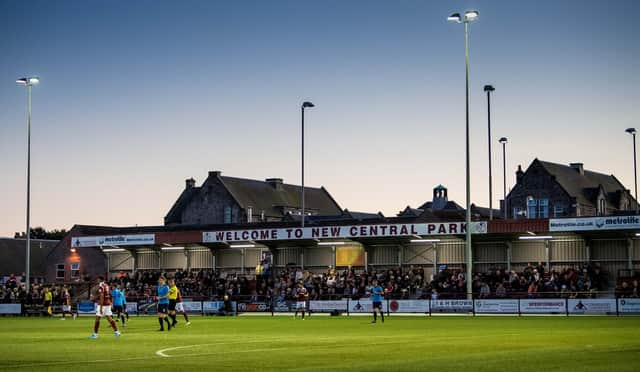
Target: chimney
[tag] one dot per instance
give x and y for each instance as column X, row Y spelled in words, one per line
column 519, row 174
column 579, row 167
column 214, row 174
column 190, row 183
column 276, row 183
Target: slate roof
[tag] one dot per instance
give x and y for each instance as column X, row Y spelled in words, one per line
column 263, row 196
column 585, row 187
column 273, row 198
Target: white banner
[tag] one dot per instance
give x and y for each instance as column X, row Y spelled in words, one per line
column 325, row 306
column 543, row 306
column 132, row 307
column 629, row 305
column 592, row 306
column 451, row 306
column 496, row 306
column 10, row 309
column 594, row 223
column 215, row 306
column 356, row 231
column 192, row 306
column 408, row 306
column 113, row 240
column 363, row 305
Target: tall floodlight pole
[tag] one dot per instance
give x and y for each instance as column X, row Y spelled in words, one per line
column 28, row 82
column 489, row 89
column 632, row 131
column 503, row 141
column 469, row 16
column 304, row 105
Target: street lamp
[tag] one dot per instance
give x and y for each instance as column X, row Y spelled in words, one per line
column 503, row 141
column 489, row 89
column 469, row 16
column 305, row 104
column 632, row 131
column 28, row 82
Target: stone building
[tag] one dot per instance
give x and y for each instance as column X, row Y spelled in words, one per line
column 550, row 190
column 225, row 200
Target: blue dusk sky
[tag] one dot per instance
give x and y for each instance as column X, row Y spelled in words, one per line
column 137, row 96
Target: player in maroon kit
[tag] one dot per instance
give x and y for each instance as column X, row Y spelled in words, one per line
column 103, row 302
column 66, row 303
column 301, row 300
column 180, row 308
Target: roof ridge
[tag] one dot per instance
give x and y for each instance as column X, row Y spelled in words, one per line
column 264, row 181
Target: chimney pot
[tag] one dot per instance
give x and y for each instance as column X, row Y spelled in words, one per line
column 190, row 183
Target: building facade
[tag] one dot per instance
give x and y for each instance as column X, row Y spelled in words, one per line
column 551, row 190
column 225, row 200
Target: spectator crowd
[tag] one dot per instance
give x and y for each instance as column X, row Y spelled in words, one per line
column 400, row 283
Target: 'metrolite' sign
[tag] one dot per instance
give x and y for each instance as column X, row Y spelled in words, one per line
column 344, row 232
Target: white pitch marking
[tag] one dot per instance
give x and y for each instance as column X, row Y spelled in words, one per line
column 162, row 352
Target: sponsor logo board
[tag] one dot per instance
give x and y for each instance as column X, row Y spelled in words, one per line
column 543, row 306
column 408, row 306
column 496, row 306
column 451, row 306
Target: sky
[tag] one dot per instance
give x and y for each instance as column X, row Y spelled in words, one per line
column 137, row 96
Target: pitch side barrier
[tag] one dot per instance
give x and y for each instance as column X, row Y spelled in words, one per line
column 348, row 306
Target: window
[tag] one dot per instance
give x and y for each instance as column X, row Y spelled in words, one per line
column 543, row 208
column 60, row 271
column 558, row 211
column 517, row 212
column 75, row 270
column 602, row 207
column 532, row 208
column 227, row 214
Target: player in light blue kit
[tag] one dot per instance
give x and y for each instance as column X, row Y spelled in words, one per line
column 163, row 304
column 377, row 292
column 118, row 304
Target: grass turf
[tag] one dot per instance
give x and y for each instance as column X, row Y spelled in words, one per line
column 327, row 344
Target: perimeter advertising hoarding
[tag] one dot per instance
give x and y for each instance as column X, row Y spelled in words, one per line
column 284, row 306
column 192, row 306
column 362, row 306
column 496, row 306
column 451, row 306
column 148, row 307
column 328, row 306
column 209, row 307
column 408, row 306
column 10, row 309
column 594, row 223
column 344, row 232
column 132, row 307
column 252, row 307
column 543, row 306
column 592, row 306
column 629, row 305
column 113, row 240
column 86, row 307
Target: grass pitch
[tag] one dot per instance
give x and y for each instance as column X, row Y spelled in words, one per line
column 323, row 343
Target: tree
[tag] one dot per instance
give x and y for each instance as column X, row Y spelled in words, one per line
column 41, row 233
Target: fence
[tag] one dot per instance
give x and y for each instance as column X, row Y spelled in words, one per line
column 557, row 306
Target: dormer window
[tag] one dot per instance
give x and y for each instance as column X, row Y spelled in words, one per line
column 602, row 207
